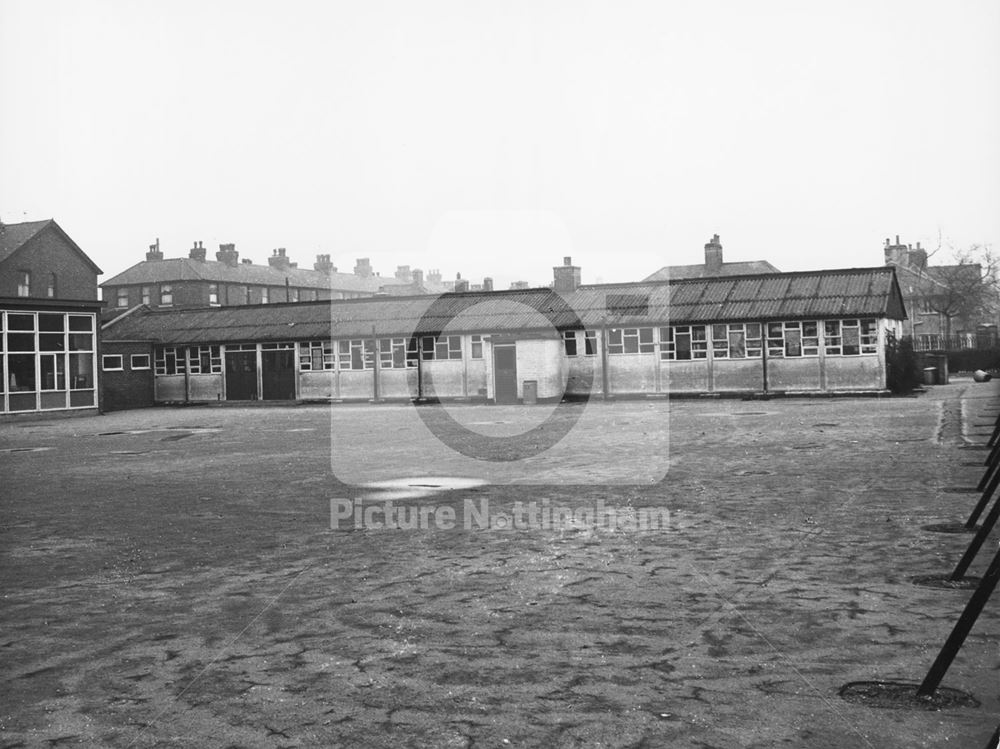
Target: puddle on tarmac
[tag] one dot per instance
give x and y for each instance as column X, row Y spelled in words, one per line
column 419, row 486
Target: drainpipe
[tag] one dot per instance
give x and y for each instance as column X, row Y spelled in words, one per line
column 420, row 368
column 763, row 351
column 605, row 379
column 187, row 375
column 377, row 368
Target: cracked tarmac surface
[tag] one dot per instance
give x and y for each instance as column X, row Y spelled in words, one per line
column 170, row 579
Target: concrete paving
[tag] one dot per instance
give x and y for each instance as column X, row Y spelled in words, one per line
column 170, row 577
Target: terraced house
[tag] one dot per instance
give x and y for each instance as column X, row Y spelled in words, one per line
column 822, row 331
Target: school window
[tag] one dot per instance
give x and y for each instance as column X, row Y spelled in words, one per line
column 50, row 290
column 265, row 297
column 572, row 340
column 395, row 353
column 245, row 294
column 139, row 361
column 213, row 293
column 477, row 347
column 122, row 298
column 112, row 363
column 736, row 341
column 316, row 356
column 204, row 359
column 631, row 341
column 683, row 342
column 356, row 354
column 145, row 292
column 569, row 342
column 441, row 348
column 166, row 294
column 23, row 283
column 850, row 337
column 169, row 360
column 293, row 295
column 792, row 339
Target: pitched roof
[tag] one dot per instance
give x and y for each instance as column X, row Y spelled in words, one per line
column 861, row 292
column 700, row 270
column 14, row 236
column 172, row 270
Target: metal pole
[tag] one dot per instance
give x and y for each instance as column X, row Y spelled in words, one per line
column 991, row 466
column 977, row 542
column 983, row 500
column 962, row 627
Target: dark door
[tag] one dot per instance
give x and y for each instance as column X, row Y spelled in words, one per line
column 241, row 375
column 505, row 373
column 278, row 375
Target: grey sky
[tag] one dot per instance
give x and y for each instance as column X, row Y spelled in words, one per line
column 495, row 138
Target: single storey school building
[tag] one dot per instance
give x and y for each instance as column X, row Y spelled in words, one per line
column 809, row 332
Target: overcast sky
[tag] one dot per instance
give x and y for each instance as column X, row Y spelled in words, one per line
column 493, row 138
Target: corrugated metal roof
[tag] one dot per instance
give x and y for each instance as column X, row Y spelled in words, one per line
column 865, row 292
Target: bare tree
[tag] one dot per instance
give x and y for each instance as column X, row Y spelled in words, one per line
column 965, row 289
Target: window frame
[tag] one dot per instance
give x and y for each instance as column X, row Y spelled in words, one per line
column 105, row 358
column 139, row 367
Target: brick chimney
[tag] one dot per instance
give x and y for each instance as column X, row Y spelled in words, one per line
column 154, row 251
column 487, row 284
column 461, row 284
column 197, row 252
column 520, row 285
column 363, row 267
column 403, row 273
column 434, row 276
column 418, row 277
column 227, row 254
column 324, row 265
column 566, row 276
column 279, row 259
column 896, row 254
column 713, row 256
column 917, row 258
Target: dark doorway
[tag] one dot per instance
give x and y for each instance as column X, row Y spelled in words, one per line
column 278, row 375
column 241, row 375
column 505, row 373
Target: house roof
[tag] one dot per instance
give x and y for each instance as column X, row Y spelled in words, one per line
column 172, row 270
column 863, row 292
column 15, row 236
column 700, row 270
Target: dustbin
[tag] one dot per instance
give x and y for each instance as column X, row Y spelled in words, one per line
column 530, row 390
column 930, row 375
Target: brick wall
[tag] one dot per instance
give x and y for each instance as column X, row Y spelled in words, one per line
column 131, row 387
column 45, row 253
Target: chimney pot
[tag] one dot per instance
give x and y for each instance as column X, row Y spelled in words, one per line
column 487, row 284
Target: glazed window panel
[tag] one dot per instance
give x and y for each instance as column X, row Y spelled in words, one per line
column 684, row 342
column 631, row 341
column 112, row 363
column 139, row 361
column 476, row 347
column 392, row 353
column 205, row 359
column 53, row 371
column 720, row 343
column 169, row 360
column 869, row 336
column 315, row 356
column 145, row 294
column 81, row 367
column 832, row 340
column 122, row 298
column 590, row 343
column 569, row 342
column 166, row 294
